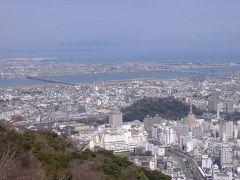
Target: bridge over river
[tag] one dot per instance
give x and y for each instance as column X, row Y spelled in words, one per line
column 44, row 79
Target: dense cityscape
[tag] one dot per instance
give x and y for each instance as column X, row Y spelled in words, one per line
column 204, row 146
column 120, row 90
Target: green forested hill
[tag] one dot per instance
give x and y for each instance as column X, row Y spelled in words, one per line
column 43, row 155
column 168, row 108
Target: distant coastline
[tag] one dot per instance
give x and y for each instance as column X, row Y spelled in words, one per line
column 29, row 59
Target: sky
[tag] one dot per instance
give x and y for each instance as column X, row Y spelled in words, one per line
column 121, row 30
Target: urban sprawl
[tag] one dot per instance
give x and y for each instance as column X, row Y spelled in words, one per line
column 203, row 146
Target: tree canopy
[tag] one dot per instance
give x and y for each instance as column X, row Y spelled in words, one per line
column 44, row 155
column 168, row 108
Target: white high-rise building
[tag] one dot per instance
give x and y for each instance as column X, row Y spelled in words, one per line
column 165, row 134
column 169, row 135
column 226, row 130
column 154, row 131
column 123, row 139
column 226, row 156
column 186, row 142
column 206, row 162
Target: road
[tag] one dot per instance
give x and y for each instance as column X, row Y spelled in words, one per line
column 189, row 167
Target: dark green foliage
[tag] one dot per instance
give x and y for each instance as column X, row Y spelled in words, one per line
column 121, row 161
column 75, row 155
column 2, row 128
column 30, row 142
column 168, row 108
column 87, row 154
column 55, row 141
column 45, row 155
column 155, row 175
column 33, row 145
column 12, row 135
column 65, row 136
column 49, row 134
column 111, row 169
column 53, row 162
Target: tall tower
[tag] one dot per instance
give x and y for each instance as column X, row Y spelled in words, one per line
column 190, row 117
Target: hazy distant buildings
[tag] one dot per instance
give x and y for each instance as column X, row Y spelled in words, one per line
column 115, row 119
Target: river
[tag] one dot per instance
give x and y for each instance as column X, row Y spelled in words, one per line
column 20, row 82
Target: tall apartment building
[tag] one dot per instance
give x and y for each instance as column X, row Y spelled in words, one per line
column 115, row 119
column 226, row 156
column 226, row 130
column 213, row 101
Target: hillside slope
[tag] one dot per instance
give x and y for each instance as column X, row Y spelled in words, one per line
column 168, row 108
column 43, row 155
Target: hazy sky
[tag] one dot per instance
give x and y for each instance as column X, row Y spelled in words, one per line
column 121, row 29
